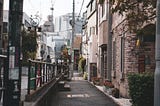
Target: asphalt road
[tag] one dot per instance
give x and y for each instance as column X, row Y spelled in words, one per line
column 82, row 93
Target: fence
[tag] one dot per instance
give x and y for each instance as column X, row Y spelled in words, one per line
column 3, row 75
column 41, row 73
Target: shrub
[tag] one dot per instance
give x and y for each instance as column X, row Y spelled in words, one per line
column 97, row 81
column 85, row 75
column 81, row 64
column 141, row 89
column 115, row 92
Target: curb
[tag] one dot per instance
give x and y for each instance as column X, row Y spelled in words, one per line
column 106, row 94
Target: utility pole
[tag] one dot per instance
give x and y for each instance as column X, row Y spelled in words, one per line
column 157, row 57
column 72, row 39
column 13, row 82
column 1, row 32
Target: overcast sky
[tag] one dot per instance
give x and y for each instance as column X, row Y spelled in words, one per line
column 42, row 7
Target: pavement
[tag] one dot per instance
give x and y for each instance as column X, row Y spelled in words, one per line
column 121, row 101
column 82, row 93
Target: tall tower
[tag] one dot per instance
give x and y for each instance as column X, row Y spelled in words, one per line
column 52, row 9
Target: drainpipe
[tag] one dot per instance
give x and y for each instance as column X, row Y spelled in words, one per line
column 157, row 57
column 109, row 45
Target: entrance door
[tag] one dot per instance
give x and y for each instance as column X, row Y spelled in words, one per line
column 141, row 63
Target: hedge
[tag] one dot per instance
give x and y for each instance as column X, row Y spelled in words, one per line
column 141, row 89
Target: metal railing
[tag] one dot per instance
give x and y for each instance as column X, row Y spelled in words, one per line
column 2, row 77
column 41, row 73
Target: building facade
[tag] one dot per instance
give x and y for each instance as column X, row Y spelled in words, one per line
column 102, row 38
column 119, row 51
column 63, row 26
column 92, row 39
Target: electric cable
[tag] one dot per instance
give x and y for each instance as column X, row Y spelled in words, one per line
column 81, row 8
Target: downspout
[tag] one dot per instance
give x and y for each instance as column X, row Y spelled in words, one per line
column 157, row 57
column 97, row 39
column 109, row 45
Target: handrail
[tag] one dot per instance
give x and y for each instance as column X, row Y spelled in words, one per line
column 3, row 76
column 41, row 73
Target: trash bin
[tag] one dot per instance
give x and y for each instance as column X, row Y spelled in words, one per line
column 32, row 75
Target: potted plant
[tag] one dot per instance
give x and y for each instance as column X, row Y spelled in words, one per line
column 115, row 92
column 108, row 86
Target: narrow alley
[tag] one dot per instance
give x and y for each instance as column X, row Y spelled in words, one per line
column 82, row 93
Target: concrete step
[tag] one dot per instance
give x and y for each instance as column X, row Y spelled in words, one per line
column 63, row 86
column 67, row 87
column 65, row 77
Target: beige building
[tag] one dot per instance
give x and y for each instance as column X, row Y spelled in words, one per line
column 92, row 39
column 102, row 8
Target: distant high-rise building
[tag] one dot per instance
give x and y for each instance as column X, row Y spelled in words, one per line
column 48, row 25
column 63, row 25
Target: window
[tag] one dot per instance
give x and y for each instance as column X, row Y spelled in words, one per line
column 103, row 9
column 114, row 55
column 122, row 55
column 5, row 27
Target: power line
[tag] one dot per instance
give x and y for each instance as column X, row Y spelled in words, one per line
column 81, row 8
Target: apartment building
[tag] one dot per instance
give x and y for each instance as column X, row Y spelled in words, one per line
column 92, row 38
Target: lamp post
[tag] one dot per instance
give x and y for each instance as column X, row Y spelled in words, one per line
column 157, row 57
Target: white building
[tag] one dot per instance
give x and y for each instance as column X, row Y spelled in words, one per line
column 48, row 25
column 64, row 28
column 54, row 44
column 92, row 39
